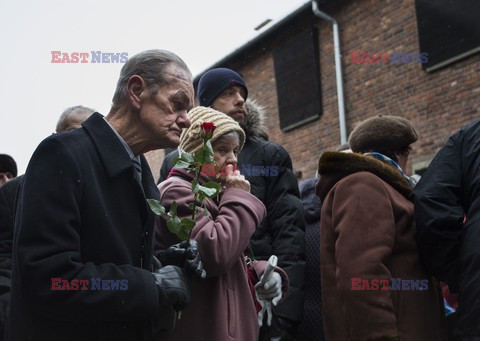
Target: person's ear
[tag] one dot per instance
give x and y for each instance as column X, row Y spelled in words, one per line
column 136, row 89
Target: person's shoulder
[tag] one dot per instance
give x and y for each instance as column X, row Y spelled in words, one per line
column 12, row 185
column 174, row 184
column 467, row 132
column 269, row 147
column 364, row 179
column 172, row 155
column 472, row 126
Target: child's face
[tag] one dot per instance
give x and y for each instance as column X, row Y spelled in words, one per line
column 225, row 151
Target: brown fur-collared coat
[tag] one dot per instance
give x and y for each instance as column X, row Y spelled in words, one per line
column 368, row 233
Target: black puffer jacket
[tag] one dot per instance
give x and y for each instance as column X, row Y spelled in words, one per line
column 447, row 214
column 268, row 168
column 311, row 328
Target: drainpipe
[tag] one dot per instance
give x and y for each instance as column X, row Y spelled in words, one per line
column 338, row 70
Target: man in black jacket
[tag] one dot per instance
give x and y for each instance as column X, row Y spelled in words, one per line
column 268, row 168
column 83, row 266
column 71, row 118
column 447, row 214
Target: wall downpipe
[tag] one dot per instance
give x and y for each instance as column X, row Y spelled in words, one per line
column 338, row 70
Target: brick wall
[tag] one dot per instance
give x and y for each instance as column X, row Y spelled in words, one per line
column 438, row 103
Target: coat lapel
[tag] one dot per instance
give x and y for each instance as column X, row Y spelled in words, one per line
column 112, row 153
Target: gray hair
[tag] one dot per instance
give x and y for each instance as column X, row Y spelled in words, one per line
column 61, row 124
column 236, row 134
column 151, row 66
column 232, row 133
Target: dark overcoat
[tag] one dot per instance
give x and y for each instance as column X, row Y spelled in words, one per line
column 447, row 213
column 82, row 215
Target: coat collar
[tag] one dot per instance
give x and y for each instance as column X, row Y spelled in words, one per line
column 334, row 166
column 254, row 120
column 113, row 154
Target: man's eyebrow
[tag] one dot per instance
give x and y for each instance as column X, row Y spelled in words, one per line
column 182, row 95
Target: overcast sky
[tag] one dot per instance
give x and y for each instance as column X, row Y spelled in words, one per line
column 34, row 91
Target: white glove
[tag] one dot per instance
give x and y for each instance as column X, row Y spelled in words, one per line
column 268, row 291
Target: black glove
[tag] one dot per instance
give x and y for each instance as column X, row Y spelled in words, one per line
column 281, row 329
column 173, row 287
column 184, row 255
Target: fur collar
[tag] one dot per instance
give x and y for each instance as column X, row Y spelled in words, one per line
column 254, row 120
column 334, row 166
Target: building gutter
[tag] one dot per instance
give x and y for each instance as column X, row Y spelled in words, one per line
column 338, row 70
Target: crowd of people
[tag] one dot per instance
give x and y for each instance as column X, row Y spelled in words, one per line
column 360, row 252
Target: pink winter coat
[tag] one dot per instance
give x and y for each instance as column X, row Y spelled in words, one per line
column 222, row 306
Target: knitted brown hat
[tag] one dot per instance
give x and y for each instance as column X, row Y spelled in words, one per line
column 191, row 138
column 382, row 133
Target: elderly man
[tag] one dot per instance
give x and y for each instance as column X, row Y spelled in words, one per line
column 72, row 118
column 373, row 285
column 83, row 244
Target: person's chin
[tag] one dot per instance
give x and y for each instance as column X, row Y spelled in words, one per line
column 238, row 117
column 172, row 142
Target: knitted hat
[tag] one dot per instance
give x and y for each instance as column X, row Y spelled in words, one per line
column 382, row 133
column 191, row 138
column 214, row 82
column 8, row 164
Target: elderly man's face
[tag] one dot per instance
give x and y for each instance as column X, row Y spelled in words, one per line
column 164, row 114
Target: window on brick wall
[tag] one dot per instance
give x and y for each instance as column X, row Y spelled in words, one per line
column 448, row 30
column 297, row 75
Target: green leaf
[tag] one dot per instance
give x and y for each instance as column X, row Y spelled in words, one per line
column 187, row 157
column 183, row 234
column 156, row 207
column 210, row 189
column 173, row 210
column 174, row 225
column 188, row 223
column 204, row 156
column 205, row 211
column 213, row 184
column 181, row 164
column 195, row 186
column 209, row 146
column 191, row 206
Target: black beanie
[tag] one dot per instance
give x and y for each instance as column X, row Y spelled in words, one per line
column 214, row 82
column 8, row 164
